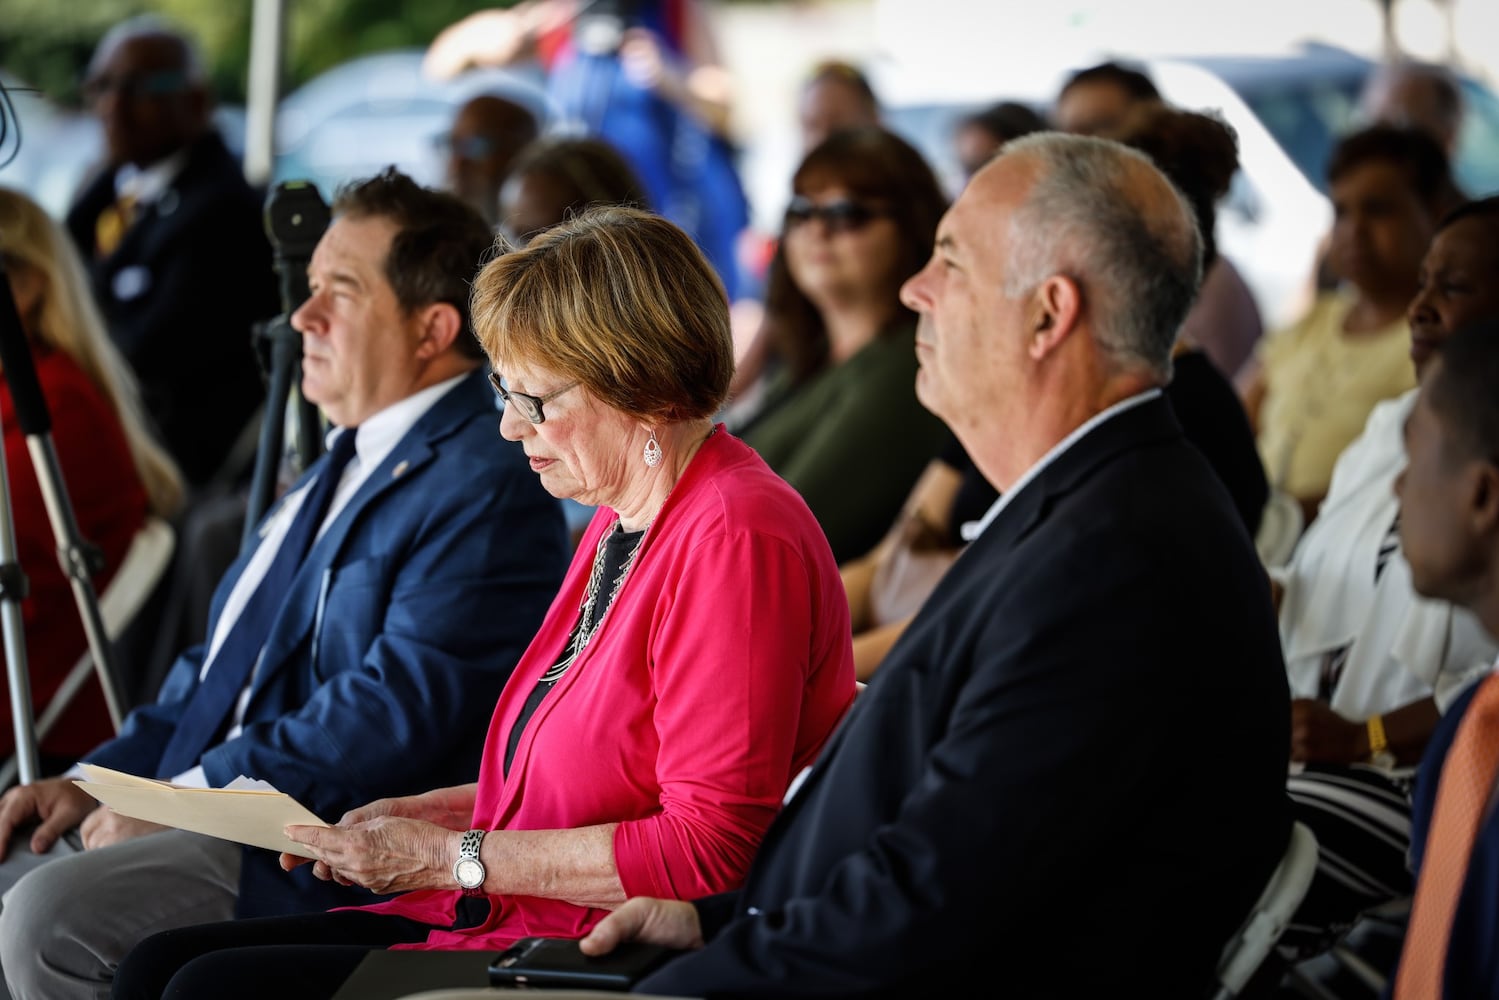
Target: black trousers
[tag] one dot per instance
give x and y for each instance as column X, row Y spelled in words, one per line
column 302, row 957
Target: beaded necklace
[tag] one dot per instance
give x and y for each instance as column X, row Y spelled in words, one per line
column 587, row 627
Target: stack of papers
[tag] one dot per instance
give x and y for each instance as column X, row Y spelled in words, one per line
column 246, row 812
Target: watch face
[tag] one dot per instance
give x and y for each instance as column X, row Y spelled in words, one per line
column 469, row 872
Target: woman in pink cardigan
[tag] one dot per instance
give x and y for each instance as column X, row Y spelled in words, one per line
column 695, row 660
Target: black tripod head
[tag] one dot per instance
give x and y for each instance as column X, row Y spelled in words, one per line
column 296, row 216
column 295, row 219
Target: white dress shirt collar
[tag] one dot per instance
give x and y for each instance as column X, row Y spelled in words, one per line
column 973, row 529
column 147, row 184
column 381, row 432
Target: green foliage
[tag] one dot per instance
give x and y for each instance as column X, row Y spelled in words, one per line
column 324, row 33
column 48, row 43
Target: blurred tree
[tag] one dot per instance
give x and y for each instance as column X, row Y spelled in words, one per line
column 47, row 43
column 324, row 33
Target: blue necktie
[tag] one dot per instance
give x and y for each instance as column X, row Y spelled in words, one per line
column 209, row 708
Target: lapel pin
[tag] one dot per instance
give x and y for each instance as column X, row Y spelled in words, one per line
column 399, row 469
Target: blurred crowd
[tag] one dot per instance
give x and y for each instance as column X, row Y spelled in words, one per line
column 141, row 309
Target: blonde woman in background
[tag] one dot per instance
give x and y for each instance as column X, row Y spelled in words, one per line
column 115, row 472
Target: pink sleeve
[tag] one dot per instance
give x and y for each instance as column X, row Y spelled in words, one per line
column 732, row 653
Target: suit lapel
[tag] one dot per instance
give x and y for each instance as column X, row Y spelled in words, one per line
column 182, row 200
column 1148, row 423
column 401, row 466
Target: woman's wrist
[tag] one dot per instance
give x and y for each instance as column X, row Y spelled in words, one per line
column 445, row 856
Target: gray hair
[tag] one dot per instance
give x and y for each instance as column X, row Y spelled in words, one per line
column 1136, row 253
column 153, row 26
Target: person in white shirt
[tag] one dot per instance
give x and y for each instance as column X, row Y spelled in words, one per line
column 1373, row 664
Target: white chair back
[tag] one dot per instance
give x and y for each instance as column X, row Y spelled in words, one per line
column 145, row 562
column 1247, row 950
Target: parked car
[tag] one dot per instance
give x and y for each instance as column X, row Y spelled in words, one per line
column 379, row 110
column 1288, row 111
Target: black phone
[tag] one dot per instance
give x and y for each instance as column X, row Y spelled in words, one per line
column 553, row 962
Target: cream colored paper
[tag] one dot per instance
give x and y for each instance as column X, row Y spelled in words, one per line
column 254, row 816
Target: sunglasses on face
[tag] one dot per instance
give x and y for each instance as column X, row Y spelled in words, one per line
column 132, row 86
column 841, row 216
column 530, row 406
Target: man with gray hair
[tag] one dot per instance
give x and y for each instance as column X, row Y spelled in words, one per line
column 177, row 253
column 1068, row 777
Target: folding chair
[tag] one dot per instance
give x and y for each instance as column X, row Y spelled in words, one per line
column 1252, row 943
column 144, row 565
column 1359, row 963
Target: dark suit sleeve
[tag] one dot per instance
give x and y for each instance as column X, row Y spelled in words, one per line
column 1025, row 783
column 148, row 729
column 464, row 602
column 714, row 912
column 479, row 552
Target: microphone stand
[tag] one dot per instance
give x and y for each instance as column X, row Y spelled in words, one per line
column 295, row 218
column 78, row 559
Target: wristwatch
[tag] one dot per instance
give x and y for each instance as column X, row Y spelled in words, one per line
column 468, row 870
column 1379, row 744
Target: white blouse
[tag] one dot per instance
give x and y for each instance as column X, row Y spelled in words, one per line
column 1401, row 647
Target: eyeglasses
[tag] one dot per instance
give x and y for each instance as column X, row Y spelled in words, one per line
column 131, row 86
column 841, row 216
column 478, row 145
column 530, row 406
column 465, row 147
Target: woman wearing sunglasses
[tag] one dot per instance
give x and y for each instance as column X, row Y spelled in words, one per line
column 841, row 422
column 695, row 660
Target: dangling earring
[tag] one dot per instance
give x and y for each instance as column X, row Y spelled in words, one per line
column 652, row 453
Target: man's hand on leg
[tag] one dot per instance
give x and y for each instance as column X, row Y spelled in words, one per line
column 58, row 803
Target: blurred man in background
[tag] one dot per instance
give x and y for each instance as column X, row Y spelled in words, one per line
column 180, row 262
column 836, row 96
column 487, row 132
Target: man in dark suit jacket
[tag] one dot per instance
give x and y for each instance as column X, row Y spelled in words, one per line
column 178, row 254
column 381, row 659
column 1068, row 778
column 1449, row 534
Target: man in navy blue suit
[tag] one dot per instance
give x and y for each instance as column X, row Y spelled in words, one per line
column 1068, row 777
column 355, row 650
column 1449, row 531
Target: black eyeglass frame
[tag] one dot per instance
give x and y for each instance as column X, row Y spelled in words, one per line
column 530, row 406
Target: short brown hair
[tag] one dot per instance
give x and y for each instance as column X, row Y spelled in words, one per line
column 439, row 243
column 1199, row 153
column 621, row 300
